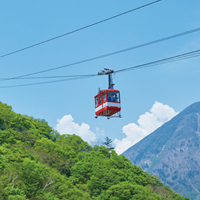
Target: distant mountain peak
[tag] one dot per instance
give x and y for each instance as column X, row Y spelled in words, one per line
column 172, row 152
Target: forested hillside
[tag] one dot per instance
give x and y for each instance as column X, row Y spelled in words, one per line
column 38, row 163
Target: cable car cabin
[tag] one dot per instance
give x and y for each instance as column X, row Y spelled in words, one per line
column 107, row 103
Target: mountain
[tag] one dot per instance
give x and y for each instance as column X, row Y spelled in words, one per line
column 172, row 152
column 38, row 163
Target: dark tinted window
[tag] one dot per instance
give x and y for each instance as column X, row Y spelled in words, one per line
column 96, row 101
column 104, row 97
column 99, row 99
column 113, row 96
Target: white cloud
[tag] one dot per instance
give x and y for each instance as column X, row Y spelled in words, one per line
column 147, row 123
column 66, row 125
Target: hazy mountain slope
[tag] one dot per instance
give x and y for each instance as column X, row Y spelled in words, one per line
column 172, row 152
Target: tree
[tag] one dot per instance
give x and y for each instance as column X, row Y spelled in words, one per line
column 128, row 191
column 108, row 143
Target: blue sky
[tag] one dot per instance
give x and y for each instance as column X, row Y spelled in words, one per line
column 23, row 23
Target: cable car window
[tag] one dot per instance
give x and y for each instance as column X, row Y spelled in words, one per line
column 104, row 97
column 96, row 101
column 113, row 96
column 99, row 99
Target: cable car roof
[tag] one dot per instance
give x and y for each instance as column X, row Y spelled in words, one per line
column 102, row 91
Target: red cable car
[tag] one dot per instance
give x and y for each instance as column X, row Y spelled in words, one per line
column 107, row 102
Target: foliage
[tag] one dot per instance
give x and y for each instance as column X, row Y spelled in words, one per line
column 108, row 143
column 38, row 163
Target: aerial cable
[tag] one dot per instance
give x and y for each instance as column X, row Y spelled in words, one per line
column 179, row 57
column 184, row 56
column 49, row 77
column 79, row 29
column 42, row 83
column 109, row 54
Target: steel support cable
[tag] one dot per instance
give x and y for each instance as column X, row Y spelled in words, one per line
column 49, row 77
column 47, row 82
column 109, row 54
column 79, row 29
column 165, row 60
column 179, row 57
